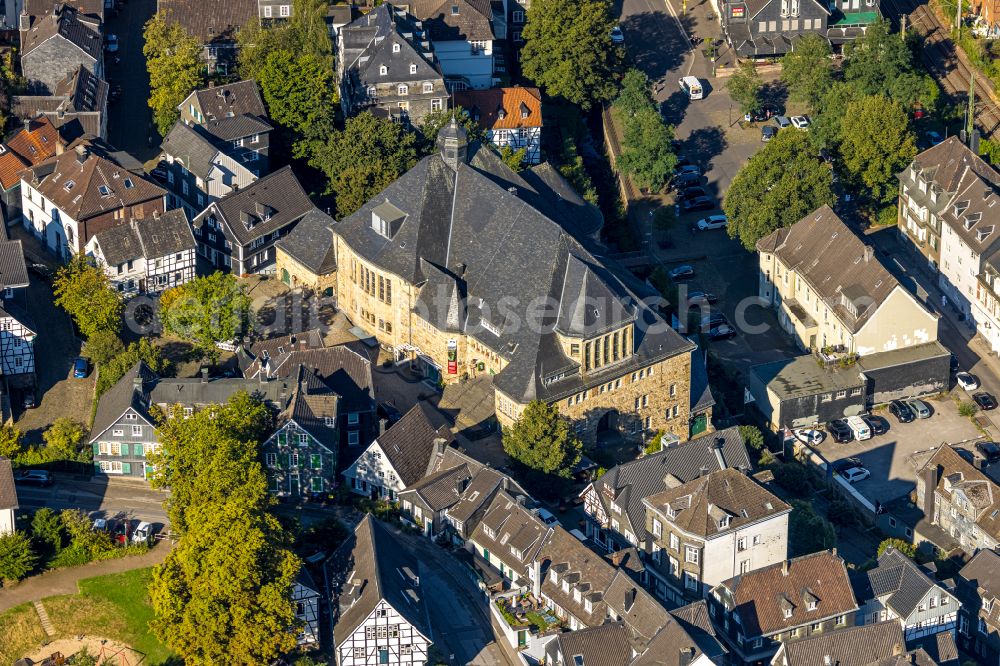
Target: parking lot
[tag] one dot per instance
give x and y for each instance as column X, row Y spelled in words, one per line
column 893, row 458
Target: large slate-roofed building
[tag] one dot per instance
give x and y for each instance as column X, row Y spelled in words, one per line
column 233, row 117
column 58, row 43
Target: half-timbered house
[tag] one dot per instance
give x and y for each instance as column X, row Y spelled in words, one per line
column 305, row 595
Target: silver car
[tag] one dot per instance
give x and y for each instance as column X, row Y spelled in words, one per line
column 919, row 408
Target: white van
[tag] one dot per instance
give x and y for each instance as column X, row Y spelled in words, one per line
column 143, row 533
column 692, row 86
column 859, row 427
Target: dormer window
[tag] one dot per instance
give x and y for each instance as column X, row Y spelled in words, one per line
column 383, row 70
column 960, row 208
column 502, row 113
column 588, row 606
column 788, row 613
column 576, row 595
column 984, row 233
column 553, row 576
column 810, row 606
column 565, row 586
column 395, row 48
column 671, row 512
column 489, row 532
column 413, row 68
column 69, row 185
column 724, row 522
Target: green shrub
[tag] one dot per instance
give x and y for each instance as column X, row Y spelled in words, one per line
column 967, row 408
column 904, row 547
column 886, row 216
column 794, row 478
column 752, row 436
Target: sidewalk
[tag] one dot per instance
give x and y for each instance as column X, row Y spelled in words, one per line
column 64, row 581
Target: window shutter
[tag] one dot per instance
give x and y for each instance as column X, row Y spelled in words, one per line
column 97, row 467
column 97, row 448
column 124, row 449
column 289, row 461
column 138, row 450
column 126, row 468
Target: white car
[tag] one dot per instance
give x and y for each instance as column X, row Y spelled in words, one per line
column 143, row 533
column 810, row 436
column 800, row 122
column 855, row 474
column 967, row 381
column 617, row 36
column 713, row 222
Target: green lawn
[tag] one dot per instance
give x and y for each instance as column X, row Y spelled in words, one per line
column 115, row 606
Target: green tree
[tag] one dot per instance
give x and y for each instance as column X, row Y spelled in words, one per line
column 634, row 95
column 209, row 309
column 304, row 33
column 744, row 86
column 905, row 548
column 10, row 442
column 568, row 50
column 299, row 92
column 103, row 346
column 825, row 129
column 780, row 185
column 752, row 437
column 143, row 350
column 543, row 441
column 647, row 155
column 513, row 158
column 64, row 440
column 877, row 144
column 880, row 63
column 16, row 556
column 809, row 532
column 84, row 291
column 363, row 159
column 47, row 531
column 434, row 121
column 173, row 60
column 794, row 478
column 807, row 71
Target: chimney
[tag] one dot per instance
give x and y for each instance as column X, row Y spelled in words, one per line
column 897, row 649
column 439, row 446
column 717, row 449
column 204, row 375
column 869, row 253
column 520, row 499
column 930, row 485
column 784, row 568
column 630, row 599
column 81, row 153
column 382, row 425
column 137, row 383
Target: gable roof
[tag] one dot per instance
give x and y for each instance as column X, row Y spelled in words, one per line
column 485, row 106
column 191, row 149
column 230, row 100
column 369, row 567
column 129, row 392
column 65, row 24
column 211, row 21
column 851, row 646
column 408, row 443
column 685, row 637
column 983, row 574
column 269, row 204
column 450, row 20
column 13, row 269
column 148, row 238
column 760, row 597
column 311, row 244
column 311, row 404
column 229, row 129
column 91, row 9
column 838, row 265
column 513, row 527
column 897, row 581
column 582, row 568
column 602, row 645
column 83, row 91
column 441, row 489
column 630, row 483
column 11, row 166
column 728, row 495
column 954, row 475
column 77, row 180
column 36, row 142
column 8, row 492
column 275, row 350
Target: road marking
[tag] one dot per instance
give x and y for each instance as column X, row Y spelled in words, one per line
column 680, row 26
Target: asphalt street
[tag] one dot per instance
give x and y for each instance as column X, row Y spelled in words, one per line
column 101, row 499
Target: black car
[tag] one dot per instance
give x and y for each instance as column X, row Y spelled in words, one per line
column 901, row 411
column 714, row 320
column 954, row 363
column 990, row 451
column 768, row 132
column 985, row 400
column 840, row 431
column 877, row 424
column 35, row 477
column 692, row 192
column 684, row 180
column 847, row 463
column 965, row 454
column 721, row 332
column 698, row 203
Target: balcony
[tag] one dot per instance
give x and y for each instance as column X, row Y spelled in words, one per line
column 527, row 624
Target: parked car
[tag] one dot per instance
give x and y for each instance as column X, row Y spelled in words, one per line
column 28, row 401
column 701, row 298
column 859, row 428
column 965, row 454
column 103, row 525
column 547, row 517
column 80, row 368
column 680, row 181
column 758, row 116
column 919, row 408
column 122, row 533
column 855, row 474
column 810, row 436
column 699, row 203
column 878, row 425
column 800, row 122
column 692, row 192
column 782, row 122
column 840, row 431
column 111, row 43
column 953, row 365
column 967, row 381
column 933, row 138
column 985, row 400
column 713, row 222
column 35, row 477
column 845, row 464
column 901, row 411
column 721, row 332
column 714, row 319
column 687, row 168
column 768, row 132
column 990, row 451
column 144, row 532
column 617, row 36
column 681, row 272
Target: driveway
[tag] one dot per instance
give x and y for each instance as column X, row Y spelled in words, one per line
column 894, row 458
column 56, row 346
column 130, row 119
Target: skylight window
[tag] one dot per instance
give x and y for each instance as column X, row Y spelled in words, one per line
column 69, row 185
column 104, row 190
column 129, row 184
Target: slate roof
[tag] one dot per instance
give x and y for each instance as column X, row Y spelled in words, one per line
column 487, row 241
column 122, row 396
column 408, row 443
column 838, row 265
column 630, row 483
column 67, row 24
column 603, row 645
column 439, row 490
column 193, row 150
column 982, row 576
column 198, row 392
column 311, row 243
column 147, row 238
column 231, row 100
column 634, row 605
column 13, row 269
column 760, row 596
column 684, row 638
column 312, row 402
column 341, row 368
column 271, row 203
column 583, row 568
column 371, row 567
column 851, row 646
column 210, row 21
column 516, row 527
column 726, row 494
column 940, row 648
column 83, row 91
column 89, row 8
column 237, row 127
column 485, row 106
column 978, row 488
column 897, row 581
column 472, row 22
column 8, row 492
column 75, row 178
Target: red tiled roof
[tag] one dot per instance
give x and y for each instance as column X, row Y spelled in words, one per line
column 513, row 101
column 36, row 142
column 10, row 166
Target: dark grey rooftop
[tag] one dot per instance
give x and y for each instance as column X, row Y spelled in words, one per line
column 311, row 243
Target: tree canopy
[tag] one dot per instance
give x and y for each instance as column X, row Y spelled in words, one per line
column 809, row 532
column 299, row 92
column 65, row 440
column 876, row 145
column 744, row 86
column 568, row 50
column 209, row 309
column 647, row 153
column 115, row 368
column 880, row 63
column 363, row 159
column 543, row 441
column 173, row 60
column 807, row 71
column 17, row 559
column 780, row 185
column 85, row 292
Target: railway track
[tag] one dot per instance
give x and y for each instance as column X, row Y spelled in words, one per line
column 946, row 63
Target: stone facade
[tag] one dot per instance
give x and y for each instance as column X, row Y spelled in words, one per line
column 294, row 274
